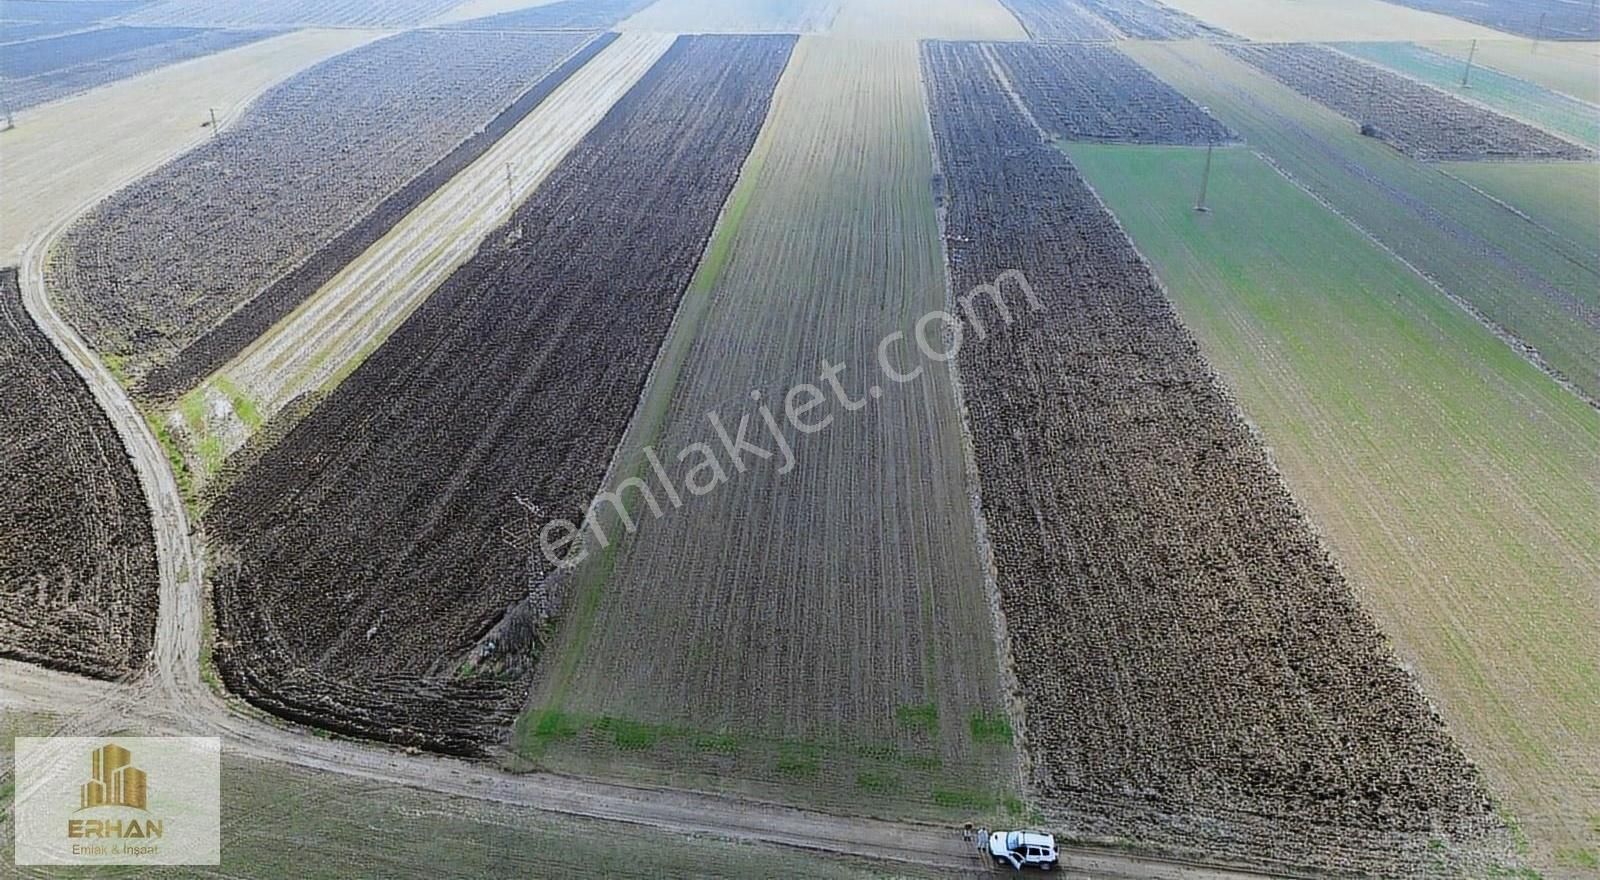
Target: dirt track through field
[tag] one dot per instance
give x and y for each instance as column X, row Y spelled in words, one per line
column 353, row 313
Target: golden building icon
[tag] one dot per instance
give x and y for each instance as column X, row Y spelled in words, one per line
column 116, row 782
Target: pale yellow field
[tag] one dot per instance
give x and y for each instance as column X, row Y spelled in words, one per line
column 931, row 20
column 1570, row 68
column 734, row 17
column 64, row 155
column 1314, row 20
column 350, row 316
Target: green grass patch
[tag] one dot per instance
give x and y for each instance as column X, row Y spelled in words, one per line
column 878, row 781
column 717, row 743
column 1578, row 858
column 799, row 761
column 921, row 716
column 991, row 728
column 634, row 735
column 553, row 724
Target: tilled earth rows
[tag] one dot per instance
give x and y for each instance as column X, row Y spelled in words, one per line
column 371, row 545
column 1193, row 667
column 78, row 575
column 151, row 269
column 1087, row 92
column 1418, row 120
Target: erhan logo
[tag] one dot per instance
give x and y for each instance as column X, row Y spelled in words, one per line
column 115, row 783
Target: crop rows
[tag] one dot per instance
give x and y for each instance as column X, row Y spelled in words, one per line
column 1150, row 20
column 154, row 267
column 1058, row 20
column 255, row 13
column 561, row 15
column 1086, row 92
column 75, row 11
column 51, row 69
column 78, row 574
column 1540, row 19
column 371, row 543
column 1420, row 121
column 1191, row 664
column 255, row 317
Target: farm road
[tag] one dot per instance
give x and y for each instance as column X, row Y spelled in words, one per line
column 171, row 698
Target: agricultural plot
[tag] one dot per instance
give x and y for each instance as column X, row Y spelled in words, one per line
column 1149, row 20
column 71, row 11
column 248, row 323
column 376, row 289
column 1562, row 197
column 1193, row 668
column 1415, row 119
column 374, row 546
column 1568, row 68
column 560, row 15
column 735, row 16
column 1539, row 19
column 1297, row 21
column 1442, row 468
column 1535, row 290
column 290, row 13
column 1058, row 20
column 932, row 20
column 19, row 31
column 51, row 69
column 1084, row 92
column 1532, row 103
column 818, row 631
column 61, row 156
column 150, row 270
column 78, row 574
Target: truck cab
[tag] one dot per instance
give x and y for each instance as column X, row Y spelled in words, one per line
column 1023, row 849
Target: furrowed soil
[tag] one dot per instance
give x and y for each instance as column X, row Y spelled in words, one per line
column 63, row 154
column 819, row 633
column 323, row 340
column 360, row 561
column 929, row 20
column 1539, row 292
column 77, row 558
column 1456, row 483
column 1194, row 671
column 735, row 16
column 1531, row 102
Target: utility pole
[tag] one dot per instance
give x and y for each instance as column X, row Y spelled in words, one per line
column 215, row 133
column 1473, row 50
column 510, row 190
column 1366, row 110
column 1538, row 33
column 1205, row 176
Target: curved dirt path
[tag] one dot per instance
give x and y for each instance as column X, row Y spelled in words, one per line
column 171, row 698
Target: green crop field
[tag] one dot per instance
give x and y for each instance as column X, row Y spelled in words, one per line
column 821, row 630
column 1564, row 197
column 1510, row 95
column 1543, row 292
column 1456, row 484
column 1569, row 68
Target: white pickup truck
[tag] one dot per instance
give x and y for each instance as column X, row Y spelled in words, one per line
column 1023, row 849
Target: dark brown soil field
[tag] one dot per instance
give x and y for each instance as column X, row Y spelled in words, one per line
column 153, row 268
column 1193, row 668
column 1420, row 121
column 1087, row 92
column 251, row 320
column 373, row 547
column 1150, row 20
column 48, row 70
column 78, row 576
